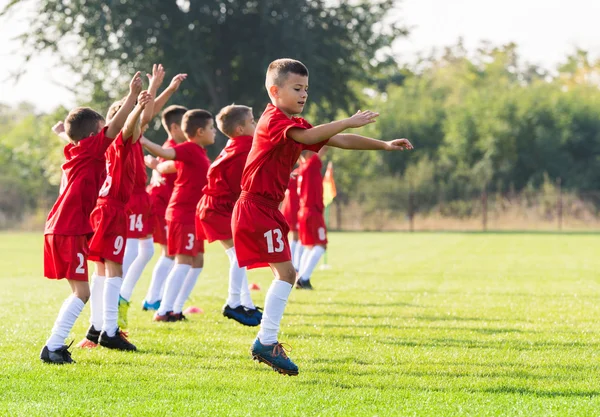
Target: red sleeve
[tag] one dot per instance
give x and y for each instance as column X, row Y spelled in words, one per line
column 102, row 142
column 316, row 147
column 279, row 125
column 182, row 152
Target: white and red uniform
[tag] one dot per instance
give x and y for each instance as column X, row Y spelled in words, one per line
column 68, row 228
column 311, row 230
column 259, row 228
column 192, row 166
column 213, row 214
column 109, row 218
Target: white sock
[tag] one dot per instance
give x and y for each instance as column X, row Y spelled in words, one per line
column 112, row 288
column 297, row 255
column 186, row 289
column 97, row 301
column 275, row 302
column 313, row 259
column 69, row 311
column 159, row 276
column 245, row 295
column 293, row 244
column 145, row 253
column 304, row 259
column 236, row 279
column 131, row 252
column 173, row 286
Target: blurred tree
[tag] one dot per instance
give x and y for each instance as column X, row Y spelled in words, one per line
column 224, row 45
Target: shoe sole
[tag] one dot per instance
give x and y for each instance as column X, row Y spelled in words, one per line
column 118, row 348
column 242, row 323
column 275, row 368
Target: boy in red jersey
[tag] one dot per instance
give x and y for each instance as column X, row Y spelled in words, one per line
column 311, row 223
column 289, row 208
column 68, row 226
column 109, row 221
column 139, row 248
column 213, row 215
column 160, row 190
column 259, row 229
column 191, row 163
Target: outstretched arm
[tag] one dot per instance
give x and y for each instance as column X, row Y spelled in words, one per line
column 352, row 141
column 116, row 123
column 323, row 132
column 59, row 130
column 167, row 167
column 162, row 99
column 132, row 126
column 156, row 79
column 157, row 150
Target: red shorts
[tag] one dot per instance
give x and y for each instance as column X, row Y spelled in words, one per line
column 181, row 239
column 213, row 218
column 259, row 232
column 66, row 257
column 159, row 223
column 312, row 230
column 139, row 222
column 109, row 222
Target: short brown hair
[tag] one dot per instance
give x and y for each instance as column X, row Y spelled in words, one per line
column 81, row 123
column 194, row 120
column 280, row 68
column 231, row 117
column 172, row 114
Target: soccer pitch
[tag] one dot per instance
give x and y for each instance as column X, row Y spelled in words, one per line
column 402, row 324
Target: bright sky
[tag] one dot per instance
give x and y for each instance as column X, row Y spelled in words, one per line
column 545, row 30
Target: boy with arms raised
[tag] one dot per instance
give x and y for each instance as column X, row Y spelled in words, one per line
column 140, row 244
column 109, row 220
column 213, row 215
column 259, row 229
column 190, row 161
column 68, row 226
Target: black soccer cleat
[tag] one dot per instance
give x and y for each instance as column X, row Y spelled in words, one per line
column 59, row 357
column 302, row 284
column 118, row 341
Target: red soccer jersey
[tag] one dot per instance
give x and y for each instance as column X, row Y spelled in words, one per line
column 120, row 171
column 192, row 166
column 291, row 201
column 83, row 173
column 141, row 177
column 274, row 154
column 163, row 191
column 225, row 173
column 310, row 184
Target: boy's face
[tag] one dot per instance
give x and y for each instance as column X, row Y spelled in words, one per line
column 291, row 96
column 206, row 136
column 249, row 125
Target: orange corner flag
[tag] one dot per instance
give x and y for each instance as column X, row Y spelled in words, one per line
column 329, row 191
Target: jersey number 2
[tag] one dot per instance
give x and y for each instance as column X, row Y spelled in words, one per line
column 278, row 238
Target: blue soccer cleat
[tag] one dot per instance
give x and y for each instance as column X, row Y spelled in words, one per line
column 275, row 356
column 243, row 315
column 151, row 306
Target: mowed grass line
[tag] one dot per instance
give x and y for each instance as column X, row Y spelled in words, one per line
column 403, row 324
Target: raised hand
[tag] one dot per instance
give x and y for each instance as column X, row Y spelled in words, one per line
column 59, row 128
column 398, row 145
column 143, row 99
column 135, row 86
column 157, row 77
column 176, row 81
column 150, row 161
column 362, row 118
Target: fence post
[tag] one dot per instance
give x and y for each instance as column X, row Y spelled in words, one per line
column 559, row 204
column 411, row 209
column 484, row 207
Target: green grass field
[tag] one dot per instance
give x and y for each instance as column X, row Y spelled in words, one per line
column 403, row 324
